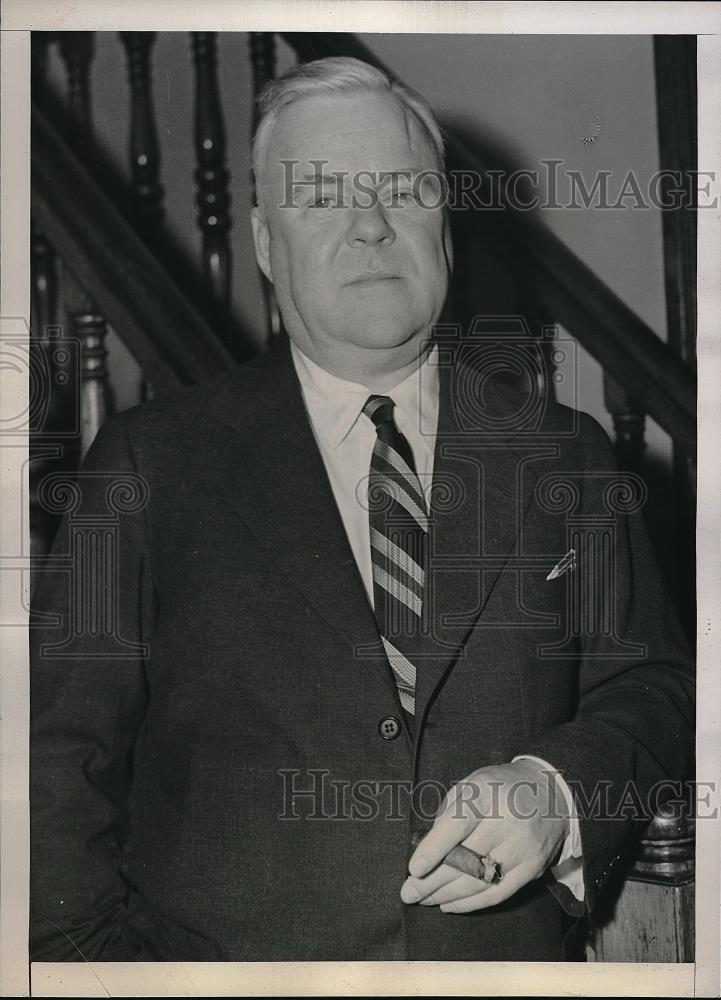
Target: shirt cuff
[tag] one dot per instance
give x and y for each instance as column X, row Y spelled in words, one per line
column 568, row 870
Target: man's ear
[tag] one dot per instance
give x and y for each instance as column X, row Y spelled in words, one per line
column 448, row 241
column 261, row 241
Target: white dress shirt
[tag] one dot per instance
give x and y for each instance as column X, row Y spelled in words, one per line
column 345, row 437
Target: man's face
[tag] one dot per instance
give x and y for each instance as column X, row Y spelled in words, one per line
column 373, row 277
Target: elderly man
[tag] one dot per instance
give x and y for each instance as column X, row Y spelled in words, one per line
column 361, row 695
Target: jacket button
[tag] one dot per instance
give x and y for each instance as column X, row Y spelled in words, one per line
column 389, row 728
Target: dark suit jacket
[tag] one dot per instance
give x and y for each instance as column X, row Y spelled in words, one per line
column 230, row 654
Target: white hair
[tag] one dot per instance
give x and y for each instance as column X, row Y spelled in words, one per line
column 335, row 75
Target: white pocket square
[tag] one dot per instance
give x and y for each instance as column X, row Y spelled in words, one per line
column 564, row 565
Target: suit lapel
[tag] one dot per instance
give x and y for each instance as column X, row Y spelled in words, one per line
column 277, row 482
column 480, row 498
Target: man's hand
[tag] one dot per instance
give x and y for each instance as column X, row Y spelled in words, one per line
column 515, row 812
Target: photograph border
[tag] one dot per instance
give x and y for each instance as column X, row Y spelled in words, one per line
column 373, row 978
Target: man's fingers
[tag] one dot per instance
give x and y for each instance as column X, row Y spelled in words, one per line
column 415, row 890
column 451, row 826
column 420, row 889
column 504, row 854
column 493, row 894
column 459, row 888
column 521, row 850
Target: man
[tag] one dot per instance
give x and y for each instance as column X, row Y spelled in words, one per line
column 349, row 577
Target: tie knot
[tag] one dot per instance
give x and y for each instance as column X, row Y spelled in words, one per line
column 379, row 409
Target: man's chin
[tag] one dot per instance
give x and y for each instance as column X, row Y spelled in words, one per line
column 382, row 325
column 380, row 334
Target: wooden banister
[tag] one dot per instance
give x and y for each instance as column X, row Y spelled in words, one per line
column 627, row 349
column 168, row 338
column 638, row 360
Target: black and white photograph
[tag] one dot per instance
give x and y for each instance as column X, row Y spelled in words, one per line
column 359, row 479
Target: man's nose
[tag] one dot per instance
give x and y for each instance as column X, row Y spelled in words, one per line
column 370, row 226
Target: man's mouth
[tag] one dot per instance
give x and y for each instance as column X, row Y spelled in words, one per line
column 372, row 278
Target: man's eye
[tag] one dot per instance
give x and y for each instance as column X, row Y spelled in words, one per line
column 401, row 198
column 323, row 201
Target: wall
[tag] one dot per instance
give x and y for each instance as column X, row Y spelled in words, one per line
column 528, row 98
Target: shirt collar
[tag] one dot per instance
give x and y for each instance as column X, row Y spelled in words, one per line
column 334, row 404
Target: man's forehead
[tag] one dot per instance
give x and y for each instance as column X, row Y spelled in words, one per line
column 359, row 130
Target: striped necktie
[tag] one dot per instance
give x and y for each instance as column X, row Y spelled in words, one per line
column 398, row 521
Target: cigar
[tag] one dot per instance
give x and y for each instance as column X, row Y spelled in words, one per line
column 480, row 866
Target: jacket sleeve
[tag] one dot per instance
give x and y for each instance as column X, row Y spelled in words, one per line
column 91, row 618
column 633, row 729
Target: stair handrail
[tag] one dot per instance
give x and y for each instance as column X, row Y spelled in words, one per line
column 164, row 332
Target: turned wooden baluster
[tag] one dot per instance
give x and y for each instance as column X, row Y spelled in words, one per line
column 44, row 264
column 44, row 290
column 144, row 150
column 143, row 146
column 213, row 199
column 46, row 418
column 78, row 49
column 629, row 424
column 95, row 392
column 89, row 325
column 263, row 58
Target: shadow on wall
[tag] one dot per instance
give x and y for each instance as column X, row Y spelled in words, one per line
column 488, row 280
